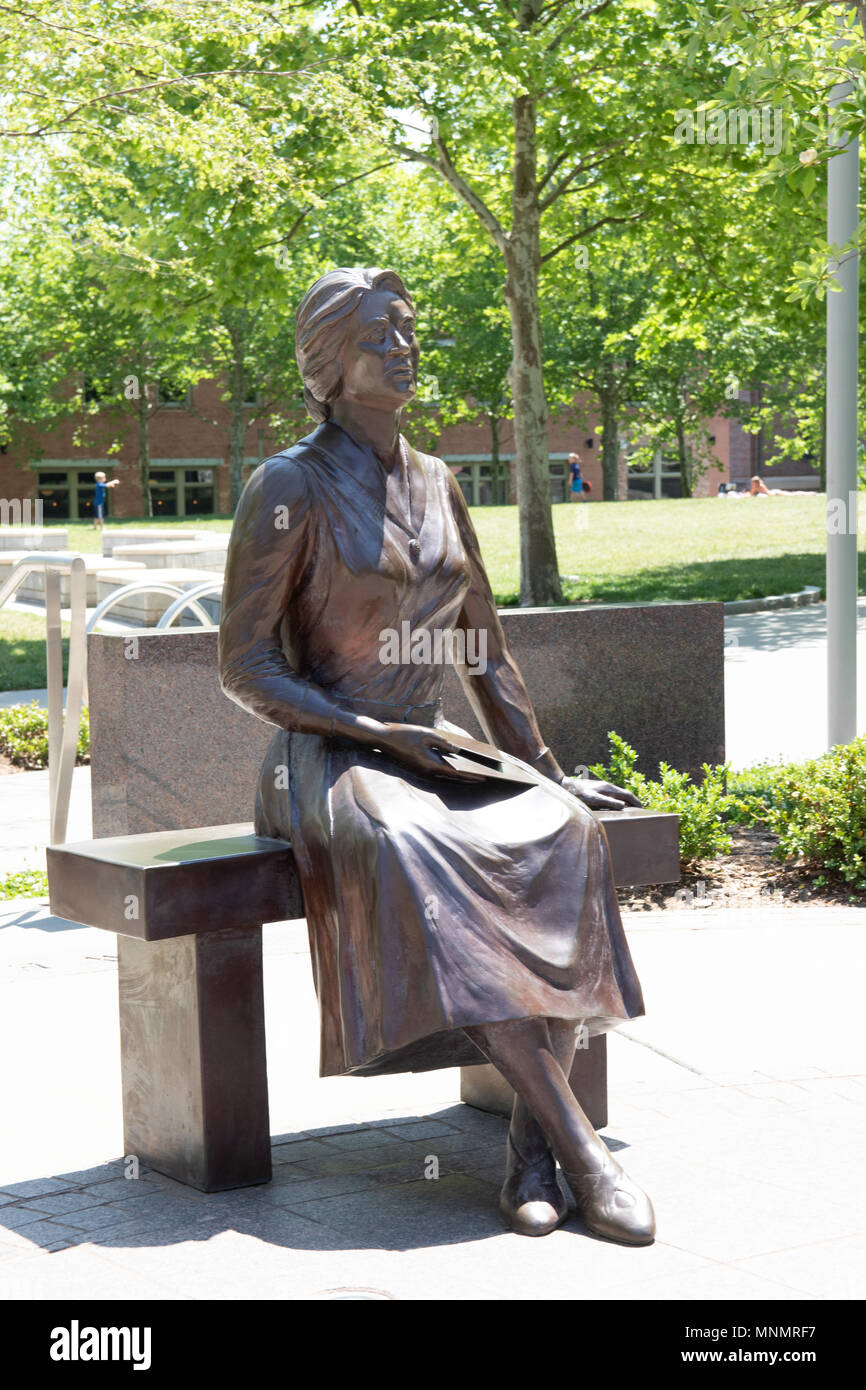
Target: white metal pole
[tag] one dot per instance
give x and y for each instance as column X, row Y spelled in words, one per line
column 54, row 681
column 65, row 762
column 657, row 474
column 841, row 404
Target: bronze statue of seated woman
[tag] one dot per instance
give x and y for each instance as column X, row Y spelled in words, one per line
column 459, row 898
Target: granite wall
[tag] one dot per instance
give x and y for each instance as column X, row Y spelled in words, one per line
column 169, row 750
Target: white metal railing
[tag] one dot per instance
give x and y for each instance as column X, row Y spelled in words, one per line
column 62, row 733
column 153, row 586
column 190, row 600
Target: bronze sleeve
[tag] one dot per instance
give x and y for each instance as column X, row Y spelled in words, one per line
column 267, row 563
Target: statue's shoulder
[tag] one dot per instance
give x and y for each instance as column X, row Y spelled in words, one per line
column 284, row 477
column 432, row 464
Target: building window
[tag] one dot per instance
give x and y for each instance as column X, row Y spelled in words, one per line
column 198, row 490
column 188, row 488
column 67, row 494
column 163, row 491
column 86, row 483
column 53, row 491
column 95, row 390
column 660, row 478
column 171, row 396
column 559, row 477
column 475, row 479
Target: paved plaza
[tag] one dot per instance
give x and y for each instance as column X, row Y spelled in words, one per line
column 739, row 1103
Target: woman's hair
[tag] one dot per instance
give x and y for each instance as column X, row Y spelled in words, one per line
column 322, row 325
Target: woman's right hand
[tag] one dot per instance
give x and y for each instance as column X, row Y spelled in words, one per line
column 421, row 749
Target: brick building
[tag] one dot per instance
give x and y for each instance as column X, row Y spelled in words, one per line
column 189, row 460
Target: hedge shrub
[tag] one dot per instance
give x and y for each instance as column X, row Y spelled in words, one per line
column 817, row 808
column 24, row 735
column 700, row 807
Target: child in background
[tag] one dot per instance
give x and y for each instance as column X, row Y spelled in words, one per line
column 99, row 491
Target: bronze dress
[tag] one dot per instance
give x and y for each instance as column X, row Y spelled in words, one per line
column 432, row 904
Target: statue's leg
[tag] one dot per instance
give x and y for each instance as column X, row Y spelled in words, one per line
column 611, row 1205
column 531, row 1201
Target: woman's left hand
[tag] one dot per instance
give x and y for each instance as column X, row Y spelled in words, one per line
column 603, row 796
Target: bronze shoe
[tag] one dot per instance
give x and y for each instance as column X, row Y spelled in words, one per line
column 613, row 1206
column 531, row 1201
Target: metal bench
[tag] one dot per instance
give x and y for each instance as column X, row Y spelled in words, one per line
column 187, row 907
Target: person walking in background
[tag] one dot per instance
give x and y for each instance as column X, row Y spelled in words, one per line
column 100, row 488
column 578, row 487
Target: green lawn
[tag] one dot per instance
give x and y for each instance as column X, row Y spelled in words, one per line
column 624, row 552
column 701, row 548
column 22, row 650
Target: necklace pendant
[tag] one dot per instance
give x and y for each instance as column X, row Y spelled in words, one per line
column 414, row 548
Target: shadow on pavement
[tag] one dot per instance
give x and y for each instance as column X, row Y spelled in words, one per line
column 399, row 1184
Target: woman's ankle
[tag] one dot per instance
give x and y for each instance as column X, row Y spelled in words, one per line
column 585, row 1156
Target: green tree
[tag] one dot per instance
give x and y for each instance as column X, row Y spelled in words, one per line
column 549, row 121
column 456, row 277
column 197, row 215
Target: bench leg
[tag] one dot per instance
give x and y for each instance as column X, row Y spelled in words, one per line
column 486, row 1089
column 192, row 1040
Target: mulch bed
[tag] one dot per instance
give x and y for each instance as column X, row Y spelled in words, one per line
column 747, row 877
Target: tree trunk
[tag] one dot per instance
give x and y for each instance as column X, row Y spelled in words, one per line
column 144, row 449
column 495, row 461
column 822, row 461
column 539, row 571
column 609, row 436
column 238, row 426
column 683, row 455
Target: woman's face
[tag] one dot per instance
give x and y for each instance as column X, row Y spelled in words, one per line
column 379, row 360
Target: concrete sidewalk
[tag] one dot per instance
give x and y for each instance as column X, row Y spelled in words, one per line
column 24, row 817
column 739, row 1103
column 776, row 684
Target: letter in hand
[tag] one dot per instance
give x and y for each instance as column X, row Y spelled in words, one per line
column 600, row 796
column 422, row 750
column 468, row 755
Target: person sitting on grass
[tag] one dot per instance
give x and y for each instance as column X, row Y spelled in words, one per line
column 99, row 491
column 759, row 489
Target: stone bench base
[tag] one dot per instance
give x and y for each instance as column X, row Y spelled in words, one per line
column 192, row 1042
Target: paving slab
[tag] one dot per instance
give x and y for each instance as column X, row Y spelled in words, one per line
column 825, row 1269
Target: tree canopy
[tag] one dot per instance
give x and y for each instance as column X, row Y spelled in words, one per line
column 621, row 198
